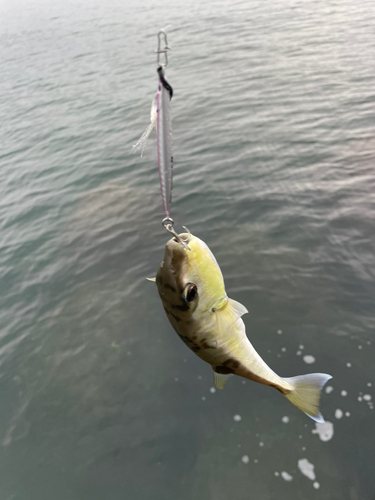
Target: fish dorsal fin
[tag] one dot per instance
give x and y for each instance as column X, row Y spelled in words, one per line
column 220, row 379
column 228, row 315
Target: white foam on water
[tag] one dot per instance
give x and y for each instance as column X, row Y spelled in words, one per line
column 286, row 476
column 245, row 459
column 369, row 384
column 360, row 399
column 316, row 485
column 307, row 468
column 261, row 444
column 347, row 414
column 279, row 332
column 285, row 419
column 301, row 347
column 309, row 359
column 283, row 349
column 339, row 413
column 212, row 390
column 276, row 473
column 360, row 347
column 298, row 353
column 329, row 389
column 256, row 461
column 237, row 418
column 324, row 430
column 348, row 365
column 344, row 393
column 203, row 398
column 367, row 397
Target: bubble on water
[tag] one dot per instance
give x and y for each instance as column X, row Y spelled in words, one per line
column 285, row 419
column 347, row 414
column 367, row 397
column 212, row 390
column 256, row 461
column 368, row 342
column 199, row 377
column 276, row 473
column 344, row 393
column 300, row 436
column 301, row 347
column 303, row 448
column 238, row 446
column 316, row 485
column 369, row 384
column 261, row 444
column 360, row 399
column 309, row 359
column 307, row 468
column 348, row 365
column 329, row 389
column 185, row 360
column 237, row 418
column 279, row 332
column 339, row 413
column 324, row 430
column 298, row 353
column 360, row 347
column 279, row 355
column 286, row 476
column 244, row 382
column 283, row 349
column 245, row 459
column 269, row 350
column 203, row 398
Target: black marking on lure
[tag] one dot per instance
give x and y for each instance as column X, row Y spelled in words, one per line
column 164, row 82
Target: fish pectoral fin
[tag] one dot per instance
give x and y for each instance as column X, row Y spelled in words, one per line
column 228, row 315
column 151, row 279
column 220, row 379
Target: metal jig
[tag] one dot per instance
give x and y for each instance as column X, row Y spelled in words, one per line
column 166, row 48
column 167, row 223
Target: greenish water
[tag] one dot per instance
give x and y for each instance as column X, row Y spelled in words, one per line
column 274, row 148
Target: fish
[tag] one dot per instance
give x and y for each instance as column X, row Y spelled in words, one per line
column 192, row 290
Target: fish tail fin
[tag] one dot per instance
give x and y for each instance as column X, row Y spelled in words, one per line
column 306, row 391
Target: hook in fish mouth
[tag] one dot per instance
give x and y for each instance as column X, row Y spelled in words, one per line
column 168, row 224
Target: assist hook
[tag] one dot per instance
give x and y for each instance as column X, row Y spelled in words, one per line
column 167, row 223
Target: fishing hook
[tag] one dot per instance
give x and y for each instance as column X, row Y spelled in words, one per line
column 167, row 223
column 166, row 48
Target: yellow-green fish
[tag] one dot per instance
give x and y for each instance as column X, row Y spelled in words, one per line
column 192, row 291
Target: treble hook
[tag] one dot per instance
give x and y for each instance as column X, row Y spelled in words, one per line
column 166, row 48
column 167, row 223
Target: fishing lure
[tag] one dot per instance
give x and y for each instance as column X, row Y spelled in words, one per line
column 161, row 117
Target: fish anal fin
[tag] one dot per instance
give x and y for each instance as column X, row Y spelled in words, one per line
column 220, row 379
column 228, row 315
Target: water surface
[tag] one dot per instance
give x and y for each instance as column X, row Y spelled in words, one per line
column 273, row 118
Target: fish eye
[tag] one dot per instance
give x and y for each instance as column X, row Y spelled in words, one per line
column 191, row 291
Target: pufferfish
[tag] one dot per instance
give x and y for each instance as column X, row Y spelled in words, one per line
column 191, row 288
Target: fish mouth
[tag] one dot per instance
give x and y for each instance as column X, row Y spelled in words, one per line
column 183, row 239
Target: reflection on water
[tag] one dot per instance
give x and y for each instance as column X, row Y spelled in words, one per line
column 273, row 118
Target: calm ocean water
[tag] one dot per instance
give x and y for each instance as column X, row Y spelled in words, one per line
column 274, row 146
